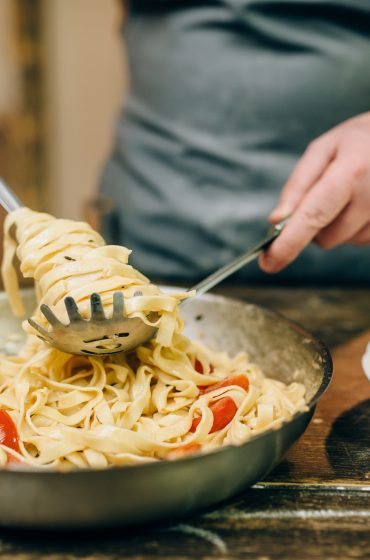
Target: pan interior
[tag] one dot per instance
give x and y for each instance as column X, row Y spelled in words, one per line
column 283, row 350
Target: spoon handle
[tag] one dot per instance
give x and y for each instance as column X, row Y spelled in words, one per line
column 222, row 273
column 8, row 199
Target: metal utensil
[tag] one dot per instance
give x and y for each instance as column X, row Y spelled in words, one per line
column 216, row 277
column 102, row 335
column 95, row 336
column 171, row 489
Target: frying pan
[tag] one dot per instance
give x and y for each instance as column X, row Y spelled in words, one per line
column 150, row 492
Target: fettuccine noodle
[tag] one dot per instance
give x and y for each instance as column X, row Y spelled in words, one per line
column 168, row 397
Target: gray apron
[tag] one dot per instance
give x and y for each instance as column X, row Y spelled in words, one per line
column 225, row 95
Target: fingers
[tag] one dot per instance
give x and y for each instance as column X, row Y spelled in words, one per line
column 344, row 227
column 362, row 237
column 307, row 172
column 319, row 208
column 327, row 195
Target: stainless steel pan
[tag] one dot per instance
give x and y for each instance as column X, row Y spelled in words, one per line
column 122, row 496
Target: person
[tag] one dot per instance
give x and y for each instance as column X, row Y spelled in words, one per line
column 237, row 107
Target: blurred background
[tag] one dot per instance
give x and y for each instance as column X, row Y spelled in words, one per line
column 62, row 82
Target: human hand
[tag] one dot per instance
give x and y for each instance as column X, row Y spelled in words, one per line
column 327, row 195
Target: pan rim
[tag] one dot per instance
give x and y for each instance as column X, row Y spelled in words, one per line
column 327, row 374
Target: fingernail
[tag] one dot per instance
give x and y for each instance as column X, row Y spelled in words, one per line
column 280, row 212
column 271, row 263
column 268, row 263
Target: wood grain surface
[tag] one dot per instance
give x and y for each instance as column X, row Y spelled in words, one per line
column 314, row 505
column 336, row 447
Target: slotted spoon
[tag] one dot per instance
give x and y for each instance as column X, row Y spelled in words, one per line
column 107, row 335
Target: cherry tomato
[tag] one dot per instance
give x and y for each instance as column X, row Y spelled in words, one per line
column 239, row 380
column 8, row 432
column 183, row 450
column 198, row 366
column 223, row 412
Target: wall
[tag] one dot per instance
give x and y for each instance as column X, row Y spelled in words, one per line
column 85, row 80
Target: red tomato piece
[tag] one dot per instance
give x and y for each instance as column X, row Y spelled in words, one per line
column 8, row 432
column 198, row 366
column 223, row 412
column 239, row 380
column 183, row 450
column 202, row 388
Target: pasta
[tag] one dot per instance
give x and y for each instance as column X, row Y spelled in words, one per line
column 167, row 398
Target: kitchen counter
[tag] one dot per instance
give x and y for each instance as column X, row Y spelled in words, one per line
column 315, row 504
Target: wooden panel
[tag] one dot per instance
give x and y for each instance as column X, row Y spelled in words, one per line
column 336, row 446
column 21, row 126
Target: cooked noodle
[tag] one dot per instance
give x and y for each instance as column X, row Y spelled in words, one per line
column 120, row 409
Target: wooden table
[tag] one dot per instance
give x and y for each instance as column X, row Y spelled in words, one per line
column 316, row 504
